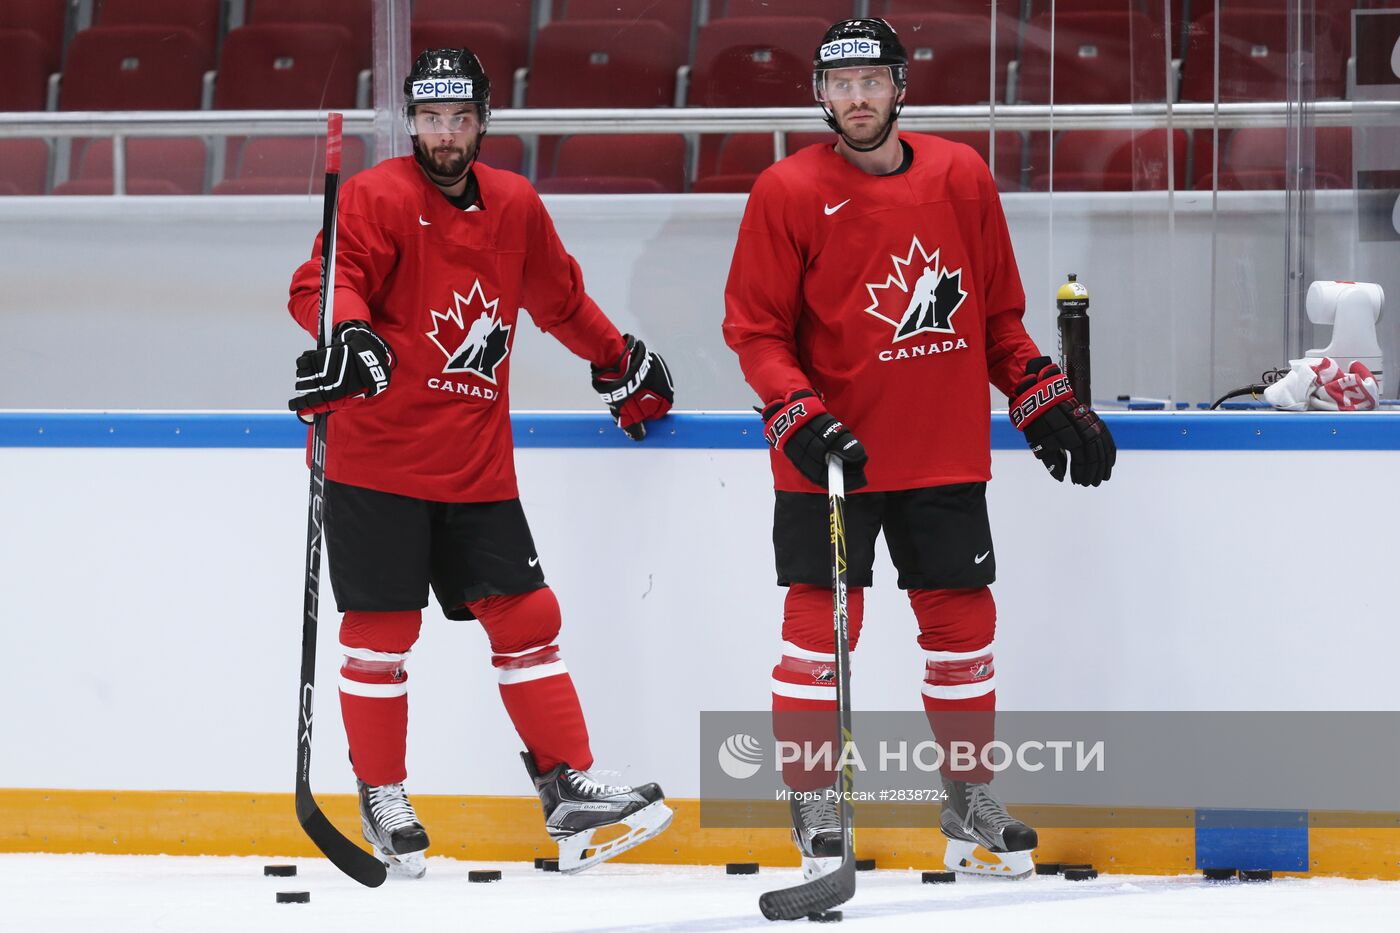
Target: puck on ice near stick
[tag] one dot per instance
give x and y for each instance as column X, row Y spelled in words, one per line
column 1080, row 874
column 741, row 868
column 484, row 874
column 865, row 864
column 1218, row 874
column 294, row 897
column 539, row 862
column 940, row 877
column 549, row 864
column 1256, row 874
column 1047, row 868
column 825, row 916
column 279, row 871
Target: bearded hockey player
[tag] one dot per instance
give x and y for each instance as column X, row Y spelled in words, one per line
column 436, row 255
column 873, row 295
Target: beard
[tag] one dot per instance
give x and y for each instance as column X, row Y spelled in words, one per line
column 866, row 132
column 449, row 162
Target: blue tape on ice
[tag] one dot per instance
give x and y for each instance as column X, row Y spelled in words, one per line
column 1252, row 839
column 697, row 430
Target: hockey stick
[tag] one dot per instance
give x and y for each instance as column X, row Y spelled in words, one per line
column 839, row 886
column 344, row 854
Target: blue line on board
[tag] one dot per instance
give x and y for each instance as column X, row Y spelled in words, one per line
column 1237, row 430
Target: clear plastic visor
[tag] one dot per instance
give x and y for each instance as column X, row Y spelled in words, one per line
column 867, row 82
column 437, row 119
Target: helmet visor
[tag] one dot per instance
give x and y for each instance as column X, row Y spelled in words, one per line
column 865, row 82
column 441, row 119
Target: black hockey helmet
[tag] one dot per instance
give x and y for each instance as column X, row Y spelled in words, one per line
column 448, row 76
column 860, row 43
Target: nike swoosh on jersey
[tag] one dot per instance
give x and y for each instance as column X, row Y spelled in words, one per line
column 831, row 210
column 981, row 557
column 533, row 561
column 425, row 223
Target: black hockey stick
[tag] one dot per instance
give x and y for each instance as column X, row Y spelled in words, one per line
column 839, row 886
column 344, row 854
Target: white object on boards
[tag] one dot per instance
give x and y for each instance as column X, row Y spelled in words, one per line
column 1352, row 308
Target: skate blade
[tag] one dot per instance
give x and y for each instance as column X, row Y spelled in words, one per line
column 813, row 868
column 578, row 853
column 412, row 865
column 970, row 858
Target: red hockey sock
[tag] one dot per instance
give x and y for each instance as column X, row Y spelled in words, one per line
column 956, row 631
column 804, row 683
column 374, row 691
column 536, row 687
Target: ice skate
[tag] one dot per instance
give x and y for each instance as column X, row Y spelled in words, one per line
column 576, row 806
column 392, row 828
column 816, row 831
column 983, row 839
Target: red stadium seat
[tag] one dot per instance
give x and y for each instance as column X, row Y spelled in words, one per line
column 950, row 56
column 1010, row 152
column 24, row 71
column 288, row 165
column 1255, row 158
column 1254, row 57
column 830, row 10
column 503, row 152
column 638, row 163
column 731, row 163
column 357, row 16
column 44, row 18
column 599, row 63
column 292, row 65
column 200, row 17
column 134, row 68
column 887, row 8
column 500, row 54
column 175, row 166
column 24, row 166
column 674, row 14
column 756, row 62
column 100, row 186
column 1099, row 58
column 1113, row 160
column 515, row 15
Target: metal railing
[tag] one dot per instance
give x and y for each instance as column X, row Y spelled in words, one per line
column 121, row 125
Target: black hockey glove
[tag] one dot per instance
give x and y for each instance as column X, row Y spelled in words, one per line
column 802, row 428
column 1061, row 429
column 355, row 365
column 636, row 388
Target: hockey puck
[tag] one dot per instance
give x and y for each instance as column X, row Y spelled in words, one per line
column 865, row 864
column 279, row 871
column 1047, row 868
column 741, row 868
column 294, row 897
column 549, row 864
column 1219, row 874
column 1080, row 874
column 1256, row 874
column 484, row 875
column 940, row 877
column 825, row 916
column 539, row 862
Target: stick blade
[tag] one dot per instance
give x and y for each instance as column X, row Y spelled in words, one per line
column 815, row 896
column 342, row 853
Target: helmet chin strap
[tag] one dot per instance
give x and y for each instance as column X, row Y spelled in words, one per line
column 832, row 122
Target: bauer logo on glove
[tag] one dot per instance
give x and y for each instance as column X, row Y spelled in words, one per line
column 355, row 365
column 1062, row 431
column 637, row 388
column 802, row 429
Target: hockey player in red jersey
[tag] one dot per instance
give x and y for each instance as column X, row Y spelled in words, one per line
column 436, row 254
column 873, row 295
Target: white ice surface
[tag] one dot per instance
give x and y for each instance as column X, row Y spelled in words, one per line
column 118, row 894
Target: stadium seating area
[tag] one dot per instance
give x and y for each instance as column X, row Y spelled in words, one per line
column 316, row 54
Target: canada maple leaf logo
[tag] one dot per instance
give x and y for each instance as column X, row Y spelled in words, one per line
column 929, row 304
column 476, row 347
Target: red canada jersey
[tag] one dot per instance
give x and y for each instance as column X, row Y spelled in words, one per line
column 895, row 297
column 444, row 287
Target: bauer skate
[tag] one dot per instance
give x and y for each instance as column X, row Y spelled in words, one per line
column 816, row 831
column 983, row 839
column 576, row 807
column 392, row 828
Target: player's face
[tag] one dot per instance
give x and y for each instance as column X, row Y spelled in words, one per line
column 861, row 99
column 448, row 135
